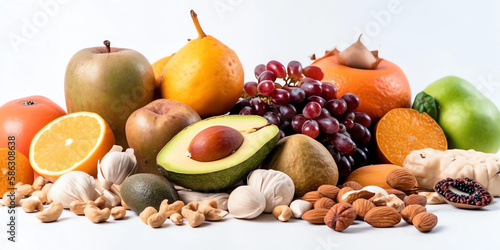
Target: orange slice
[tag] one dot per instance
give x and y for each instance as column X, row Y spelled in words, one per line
column 403, row 130
column 74, row 142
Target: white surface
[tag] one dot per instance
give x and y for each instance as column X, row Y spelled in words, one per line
column 456, row 229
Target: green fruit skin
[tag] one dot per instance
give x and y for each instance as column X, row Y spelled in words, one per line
column 468, row 118
column 220, row 180
column 143, row 190
column 112, row 85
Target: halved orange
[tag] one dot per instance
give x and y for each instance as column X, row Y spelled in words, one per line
column 74, row 142
column 14, row 168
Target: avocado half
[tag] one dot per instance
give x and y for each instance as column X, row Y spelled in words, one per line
column 259, row 139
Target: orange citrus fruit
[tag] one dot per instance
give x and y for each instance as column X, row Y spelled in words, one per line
column 72, row 142
column 403, row 130
column 14, row 168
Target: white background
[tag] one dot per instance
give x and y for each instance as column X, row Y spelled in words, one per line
column 427, row 39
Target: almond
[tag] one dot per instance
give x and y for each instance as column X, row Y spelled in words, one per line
column 425, row 222
column 353, row 195
column 325, row 203
column 352, row 184
column 362, row 206
column 410, row 211
column 382, row 217
column 400, row 194
column 401, row 179
column 416, row 199
column 329, row 191
column 312, row 196
column 315, row 216
column 341, row 193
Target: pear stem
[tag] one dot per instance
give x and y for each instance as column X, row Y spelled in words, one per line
column 197, row 24
column 107, row 43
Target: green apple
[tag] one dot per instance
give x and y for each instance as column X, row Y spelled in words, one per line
column 112, row 82
column 468, row 118
column 151, row 127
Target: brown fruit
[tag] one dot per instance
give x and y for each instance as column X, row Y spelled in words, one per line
column 352, row 184
column 401, row 179
column 425, row 222
column 214, row 143
column 416, row 199
column 342, row 192
column 312, row 197
column 382, row 217
column 372, row 175
column 315, row 216
column 362, row 206
column 325, row 203
column 340, row 216
column 409, row 212
column 329, row 191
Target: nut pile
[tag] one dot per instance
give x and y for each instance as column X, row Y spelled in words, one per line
column 339, row 207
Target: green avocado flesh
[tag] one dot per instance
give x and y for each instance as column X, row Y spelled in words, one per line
column 259, row 139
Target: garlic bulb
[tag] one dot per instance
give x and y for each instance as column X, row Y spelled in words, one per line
column 299, row 207
column 246, row 202
column 277, row 187
column 73, row 186
column 188, row 196
column 115, row 166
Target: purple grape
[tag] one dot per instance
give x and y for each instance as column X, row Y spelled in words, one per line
column 344, row 167
column 343, row 143
column 267, row 75
column 360, row 158
column 366, row 137
column 288, row 111
column 297, row 95
column 329, row 91
column 312, row 88
column 347, row 123
column 243, row 102
column 352, row 101
column 258, row 70
column 282, row 134
column 357, row 131
column 294, row 70
column 310, row 128
column 342, row 128
column 259, row 106
column 297, row 123
column 328, row 125
column 272, row 118
column 247, row 111
column 318, row 99
column 280, row 96
column 362, row 119
column 336, row 107
column 276, row 67
column 311, row 110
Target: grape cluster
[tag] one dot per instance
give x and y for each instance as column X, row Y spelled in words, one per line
column 302, row 103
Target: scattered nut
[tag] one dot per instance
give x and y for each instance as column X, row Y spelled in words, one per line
column 42, row 196
column 433, row 197
column 53, row 212
column 282, row 212
column 11, row 199
column 401, row 179
column 352, row 184
column 416, row 199
column 382, row 217
column 353, row 195
column 100, row 202
column 340, row 216
column 362, row 206
column 46, row 188
column 146, row 213
column 95, row 214
column 177, row 218
column 411, row 210
column 170, row 209
column 425, row 222
column 194, row 218
column 78, row 207
column 38, row 183
column 329, row 191
column 375, row 189
column 341, row 193
column 29, row 206
column 325, row 203
column 25, row 190
column 209, row 209
column 390, row 201
column 315, row 216
column 157, row 220
column 299, row 207
column 312, row 196
column 118, row 212
column 400, row 194
column 377, row 196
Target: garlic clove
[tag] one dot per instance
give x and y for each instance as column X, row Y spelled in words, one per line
column 246, row 202
column 75, row 185
column 276, row 186
column 299, row 207
column 115, row 166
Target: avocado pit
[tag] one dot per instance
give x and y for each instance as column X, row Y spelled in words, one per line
column 214, row 143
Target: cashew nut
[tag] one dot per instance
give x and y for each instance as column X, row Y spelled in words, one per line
column 30, row 205
column 38, row 183
column 194, row 218
column 25, row 190
column 170, row 209
column 46, row 188
column 282, row 212
column 157, row 220
column 209, row 209
column 42, row 196
column 95, row 214
column 100, row 203
column 118, row 212
column 177, row 219
column 146, row 213
column 78, row 207
column 11, row 199
column 52, row 213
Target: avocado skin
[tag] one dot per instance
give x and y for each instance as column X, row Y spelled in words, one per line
column 223, row 179
column 143, row 190
column 468, row 118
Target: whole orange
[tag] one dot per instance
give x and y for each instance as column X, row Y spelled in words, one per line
column 379, row 90
column 14, row 168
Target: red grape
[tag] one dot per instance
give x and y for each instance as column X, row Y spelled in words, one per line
column 297, row 122
column 312, row 88
column 349, row 116
column 344, row 167
column 288, row 111
column 352, row 101
column 348, row 123
column 329, row 91
column 294, row 69
column 312, row 110
column 328, row 125
column 276, row 67
column 243, row 102
column 342, row 143
column 272, row 118
column 297, row 95
column 247, row 111
column 357, row 131
column 366, row 137
column 267, row 75
column 342, row 128
column 251, row 88
column 310, row 128
column 362, row 119
column 266, row 87
column 280, row 96
column 313, row 72
column 336, row 107
column 318, row 99
column 259, row 106
column 258, row 70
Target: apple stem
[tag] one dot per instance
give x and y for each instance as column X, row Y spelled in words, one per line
column 107, row 43
column 197, row 24
column 29, row 102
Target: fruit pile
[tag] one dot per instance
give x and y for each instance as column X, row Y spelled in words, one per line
column 301, row 103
